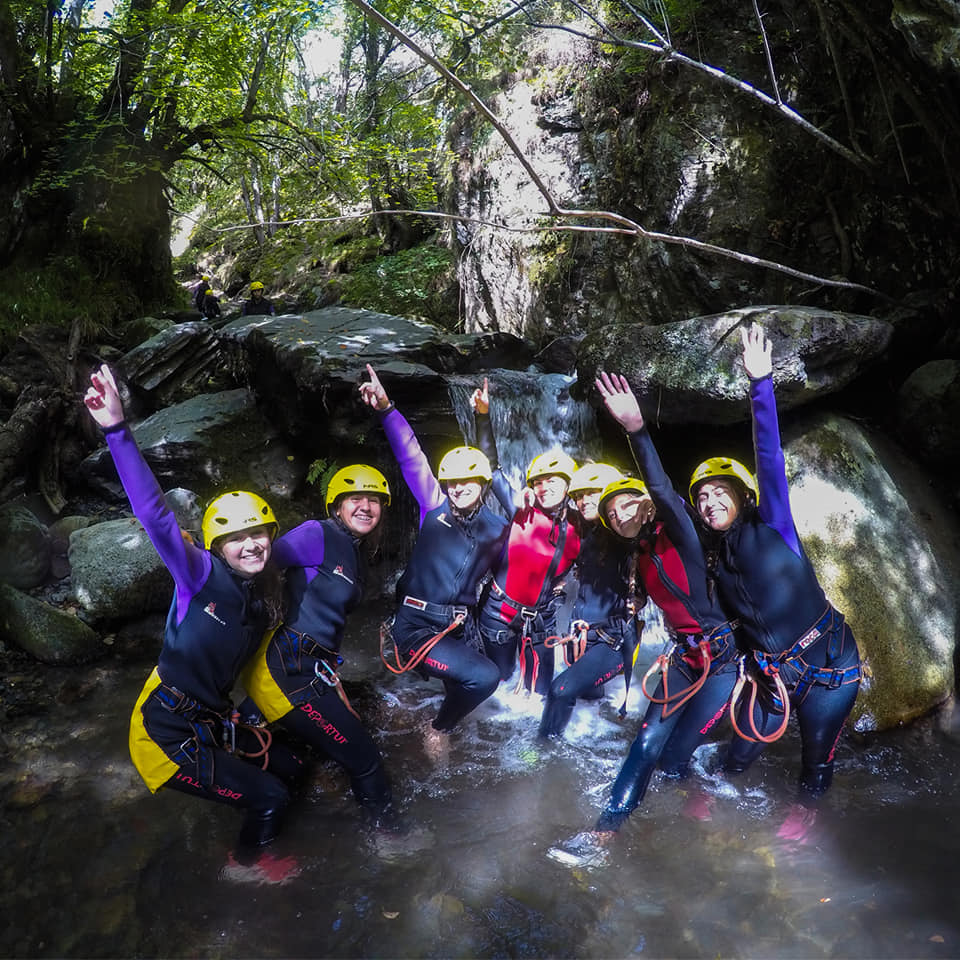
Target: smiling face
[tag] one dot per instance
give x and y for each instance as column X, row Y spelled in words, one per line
column 359, row 512
column 246, row 552
column 626, row 513
column 550, row 490
column 588, row 503
column 464, row 495
column 718, row 503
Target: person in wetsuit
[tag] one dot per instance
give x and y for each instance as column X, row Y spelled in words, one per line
column 258, row 304
column 799, row 644
column 183, row 732
column 293, row 679
column 210, row 305
column 698, row 676
column 519, row 604
column 460, row 540
column 603, row 629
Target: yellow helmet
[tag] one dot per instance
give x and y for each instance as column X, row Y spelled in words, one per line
column 464, row 463
column 623, row 485
column 357, row 478
column 722, row 467
column 256, row 285
column 237, row 510
column 593, row 476
column 552, row 463
column 208, row 292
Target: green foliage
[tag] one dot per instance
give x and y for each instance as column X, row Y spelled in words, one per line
column 321, row 471
column 413, row 282
column 57, row 293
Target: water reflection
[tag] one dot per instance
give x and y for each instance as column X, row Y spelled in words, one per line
column 94, row 866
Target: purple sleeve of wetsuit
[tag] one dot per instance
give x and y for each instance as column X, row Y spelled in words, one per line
column 774, row 503
column 412, row 461
column 303, row 546
column 189, row 565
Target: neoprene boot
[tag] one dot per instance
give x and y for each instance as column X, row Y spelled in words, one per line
column 260, row 827
column 815, row 779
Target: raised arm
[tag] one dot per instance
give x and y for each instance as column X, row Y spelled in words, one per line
column 406, row 448
column 188, row 564
column 501, row 486
column 774, row 503
column 622, row 404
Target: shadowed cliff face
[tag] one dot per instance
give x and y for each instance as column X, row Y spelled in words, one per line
column 862, row 193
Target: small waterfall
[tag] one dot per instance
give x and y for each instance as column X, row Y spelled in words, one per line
column 532, row 413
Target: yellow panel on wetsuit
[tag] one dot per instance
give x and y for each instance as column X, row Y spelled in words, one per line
column 261, row 686
column 151, row 762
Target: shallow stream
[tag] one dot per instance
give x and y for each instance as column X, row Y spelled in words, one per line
column 94, row 866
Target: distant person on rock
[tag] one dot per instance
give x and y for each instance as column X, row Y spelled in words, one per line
column 258, row 304
column 198, row 292
column 211, row 305
column 184, row 733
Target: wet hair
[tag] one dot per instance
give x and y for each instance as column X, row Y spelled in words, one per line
column 267, row 594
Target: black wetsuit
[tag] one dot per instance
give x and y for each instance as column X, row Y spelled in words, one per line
column 452, row 555
column 672, row 569
column 606, row 569
column 292, row 677
column 766, row 580
column 258, row 306
column 182, row 734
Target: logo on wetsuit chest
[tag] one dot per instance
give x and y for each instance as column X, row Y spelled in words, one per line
column 338, row 572
column 210, row 609
column 442, row 518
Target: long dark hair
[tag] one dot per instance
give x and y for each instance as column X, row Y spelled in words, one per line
column 268, row 595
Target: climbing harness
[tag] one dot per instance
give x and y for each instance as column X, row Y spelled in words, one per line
column 457, row 615
column 293, row 645
column 707, row 649
column 829, row 624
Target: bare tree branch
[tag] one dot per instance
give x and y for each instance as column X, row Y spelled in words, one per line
column 628, row 226
column 767, row 51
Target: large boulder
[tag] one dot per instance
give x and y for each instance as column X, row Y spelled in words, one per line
column 211, row 442
column 928, row 413
column 690, row 371
column 306, row 368
column 25, row 558
column 175, row 364
column 116, row 572
column 45, row 632
column 888, row 555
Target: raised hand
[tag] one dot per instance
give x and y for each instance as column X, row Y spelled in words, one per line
column 102, row 398
column 372, row 392
column 620, row 401
column 480, row 398
column 757, row 352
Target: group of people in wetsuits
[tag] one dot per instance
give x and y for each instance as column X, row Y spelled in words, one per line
column 207, row 302
column 754, row 635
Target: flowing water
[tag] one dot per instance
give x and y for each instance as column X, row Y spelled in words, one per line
column 94, row 866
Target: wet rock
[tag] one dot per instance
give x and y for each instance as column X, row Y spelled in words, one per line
column 116, row 571
column 46, row 633
column 176, row 364
column 140, row 329
column 209, row 443
column 187, row 508
column 25, row 558
column 141, row 636
column 60, row 543
column 928, row 413
column 691, row 370
column 888, row 555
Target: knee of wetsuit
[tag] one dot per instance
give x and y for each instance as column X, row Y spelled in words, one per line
column 260, row 827
column 815, row 780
